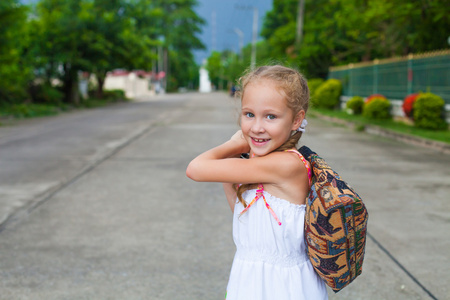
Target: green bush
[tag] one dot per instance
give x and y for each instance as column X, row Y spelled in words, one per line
column 378, row 109
column 328, row 94
column 114, row 94
column 313, row 84
column 11, row 92
column 46, row 94
column 28, row 110
column 428, row 112
column 355, row 104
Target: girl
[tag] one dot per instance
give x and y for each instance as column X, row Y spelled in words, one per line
column 269, row 202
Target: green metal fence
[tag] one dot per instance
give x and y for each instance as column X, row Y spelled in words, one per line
column 398, row 77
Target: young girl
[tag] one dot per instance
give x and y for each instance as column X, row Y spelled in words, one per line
column 267, row 192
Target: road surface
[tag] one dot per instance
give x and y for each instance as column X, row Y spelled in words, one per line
column 95, row 204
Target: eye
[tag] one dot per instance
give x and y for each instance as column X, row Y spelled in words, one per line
column 249, row 115
column 271, row 117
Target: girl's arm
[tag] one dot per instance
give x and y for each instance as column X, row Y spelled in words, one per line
column 231, row 149
column 202, row 168
column 230, row 193
column 220, row 165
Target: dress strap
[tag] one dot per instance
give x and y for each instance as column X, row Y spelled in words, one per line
column 259, row 194
column 308, row 168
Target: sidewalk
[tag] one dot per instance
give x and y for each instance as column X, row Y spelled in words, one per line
column 402, row 137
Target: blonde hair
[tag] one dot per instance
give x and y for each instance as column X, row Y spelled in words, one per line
column 293, row 86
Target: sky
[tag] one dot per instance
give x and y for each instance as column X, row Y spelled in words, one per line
column 229, row 14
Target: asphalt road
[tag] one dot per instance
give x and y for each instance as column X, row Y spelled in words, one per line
column 95, row 204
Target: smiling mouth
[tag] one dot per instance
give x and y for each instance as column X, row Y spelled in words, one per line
column 260, row 140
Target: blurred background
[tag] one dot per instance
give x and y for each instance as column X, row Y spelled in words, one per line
column 111, row 177
column 60, row 54
column 48, row 46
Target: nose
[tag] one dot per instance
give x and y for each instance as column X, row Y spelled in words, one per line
column 258, row 126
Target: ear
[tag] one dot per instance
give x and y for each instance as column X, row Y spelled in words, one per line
column 298, row 120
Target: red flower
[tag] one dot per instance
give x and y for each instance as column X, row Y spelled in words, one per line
column 408, row 103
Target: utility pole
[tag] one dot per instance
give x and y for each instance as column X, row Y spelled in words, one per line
column 161, row 62
column 300, row 13
column 255, row 32
column 160, row 58
column 166, row 68
column 241, row 42
column 255, row 36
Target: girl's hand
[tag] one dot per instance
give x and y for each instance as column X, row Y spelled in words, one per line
column 238, row 138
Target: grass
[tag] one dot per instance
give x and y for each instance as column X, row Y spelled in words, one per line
column 95, row 102
column 397, row 126
column 32, row 110
column 28, row 110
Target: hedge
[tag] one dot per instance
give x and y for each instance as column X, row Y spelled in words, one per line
column 328, row 94
column 355, row 104
column 377, row 108
column 429, row 112
column 313, row 85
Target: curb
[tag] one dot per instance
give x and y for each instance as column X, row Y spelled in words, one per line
column 402, row 137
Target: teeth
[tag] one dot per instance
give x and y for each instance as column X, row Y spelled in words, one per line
column 260, row 140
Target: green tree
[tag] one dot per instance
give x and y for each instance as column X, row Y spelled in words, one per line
column 343, row 31
column 234, row 66
column 315, row 53
column 215, row 67
column 101, row 35
column 61, row 38
column 422, row 24
column 118, row 38
column 179, row 25
column 279, row 27
column 14, row 70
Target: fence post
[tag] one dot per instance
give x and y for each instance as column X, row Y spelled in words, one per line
column 375, row 76
column 410, row 74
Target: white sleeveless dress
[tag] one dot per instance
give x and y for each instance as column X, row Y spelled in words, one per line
column 270, row 261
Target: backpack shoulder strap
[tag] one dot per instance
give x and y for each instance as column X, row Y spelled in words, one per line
column 308, row 168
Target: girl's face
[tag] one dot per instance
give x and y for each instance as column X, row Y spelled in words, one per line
column 266, row 120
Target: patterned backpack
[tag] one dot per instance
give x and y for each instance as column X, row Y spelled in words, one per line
column 335, row 225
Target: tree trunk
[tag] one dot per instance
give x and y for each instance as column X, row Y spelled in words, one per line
column 74, row 96
column 70, row 80
column 101, row 76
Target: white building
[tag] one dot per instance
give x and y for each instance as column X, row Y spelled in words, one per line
column 134, row 84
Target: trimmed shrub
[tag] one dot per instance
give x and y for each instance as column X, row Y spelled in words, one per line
column 355, row 104
column 377, row 108
column 375, row 96
column 328, row 94
column 408, row 103
column 428, row 112
column 313, row 84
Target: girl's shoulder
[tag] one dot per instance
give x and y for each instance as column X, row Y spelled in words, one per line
column 289, row 163
column 303, row 160
column 289, row 157
column 293, row 181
